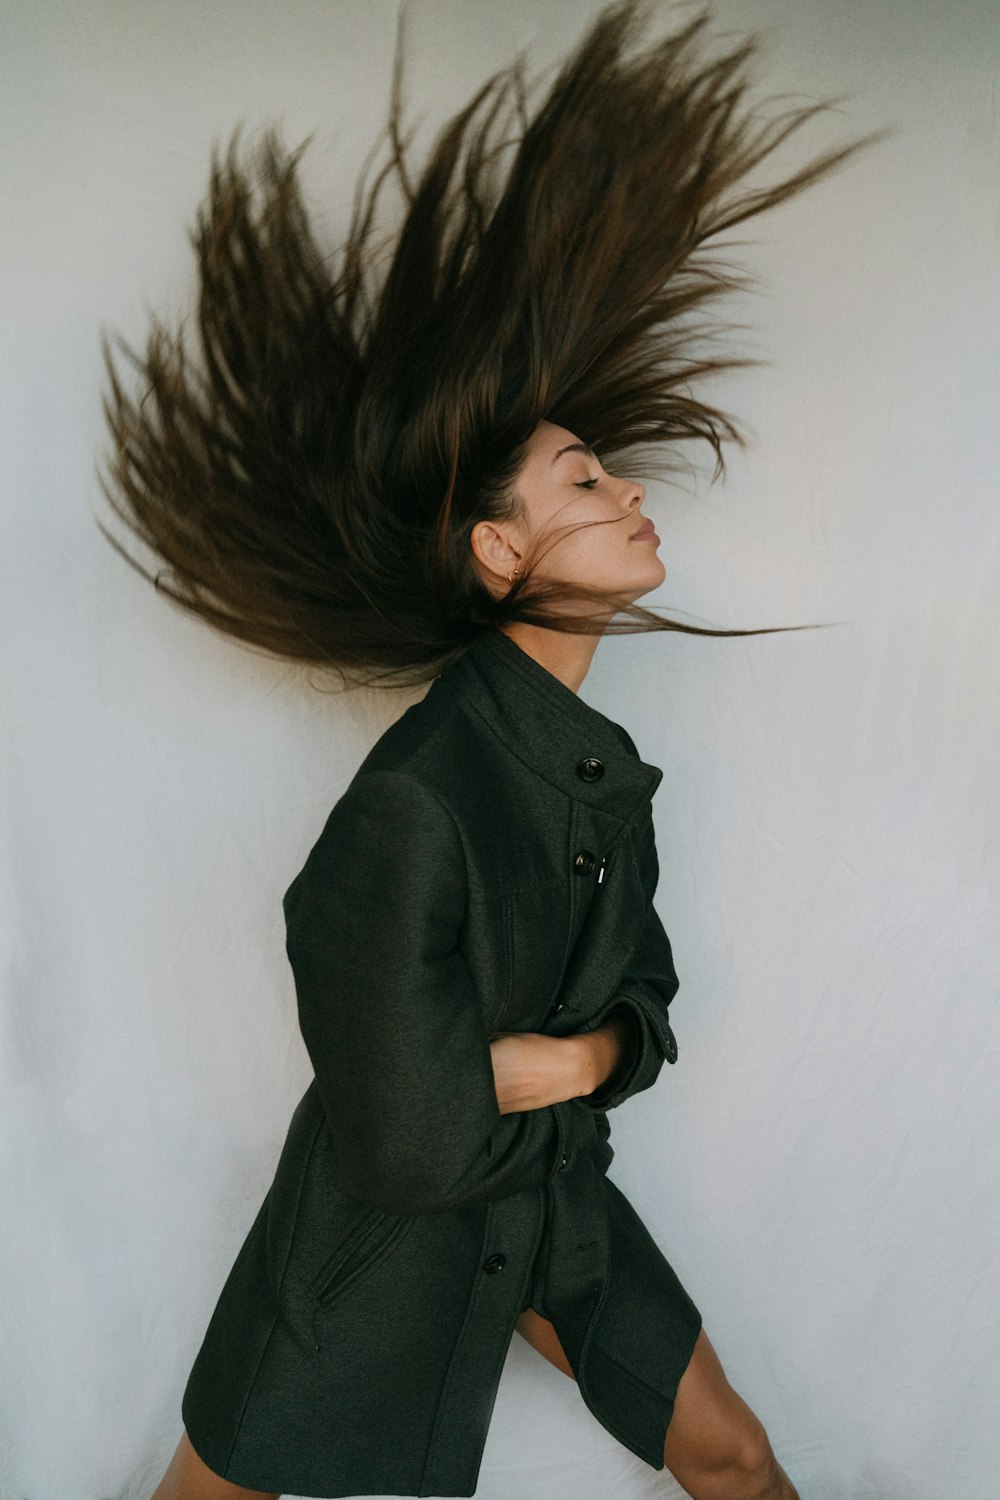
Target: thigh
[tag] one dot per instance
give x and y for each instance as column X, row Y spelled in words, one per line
column 541, row 1335
column 188, row 1478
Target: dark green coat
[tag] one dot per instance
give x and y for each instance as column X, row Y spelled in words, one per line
column 491, row 867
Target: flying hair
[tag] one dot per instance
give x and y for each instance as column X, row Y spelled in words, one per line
column 312, row 478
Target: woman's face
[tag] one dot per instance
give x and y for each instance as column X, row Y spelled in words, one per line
column 560, row 488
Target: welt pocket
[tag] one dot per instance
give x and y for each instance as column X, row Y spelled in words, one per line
column 358, row 1253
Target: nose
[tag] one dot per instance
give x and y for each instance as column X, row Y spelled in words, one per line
column 636, row 493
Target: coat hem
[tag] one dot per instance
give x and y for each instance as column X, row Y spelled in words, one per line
column 653, row 1455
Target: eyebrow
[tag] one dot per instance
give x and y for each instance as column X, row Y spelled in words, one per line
column 575, row 448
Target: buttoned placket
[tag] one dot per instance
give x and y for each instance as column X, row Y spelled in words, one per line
column 562, row 737
column 586, row 756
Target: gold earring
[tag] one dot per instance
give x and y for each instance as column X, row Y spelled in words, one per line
column 512, row 576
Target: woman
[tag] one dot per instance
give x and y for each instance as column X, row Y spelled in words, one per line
column 410, row 475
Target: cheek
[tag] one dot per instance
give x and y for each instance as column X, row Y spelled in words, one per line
column 590, row 555
column 595, row 553
column 606, row 550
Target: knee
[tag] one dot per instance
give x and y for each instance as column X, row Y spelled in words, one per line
column 756, row 1466
column 747, row 1471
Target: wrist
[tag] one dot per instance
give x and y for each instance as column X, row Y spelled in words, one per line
column 599, row 1053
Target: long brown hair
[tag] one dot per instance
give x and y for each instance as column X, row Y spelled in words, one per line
column 312, row 482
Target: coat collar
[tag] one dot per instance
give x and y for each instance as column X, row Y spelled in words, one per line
column 551, row 728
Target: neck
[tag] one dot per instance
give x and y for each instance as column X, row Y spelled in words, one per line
column 566, row 656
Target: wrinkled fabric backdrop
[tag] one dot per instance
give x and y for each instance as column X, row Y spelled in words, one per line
column 821, row 1165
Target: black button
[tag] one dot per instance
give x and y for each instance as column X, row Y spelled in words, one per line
column 563, row 1162
column 591, row 769
column 671, row 1046
column 557, row 1007
column 584, row 862
column 495, row 1263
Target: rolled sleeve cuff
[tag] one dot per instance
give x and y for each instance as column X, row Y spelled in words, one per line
column 652, row 1043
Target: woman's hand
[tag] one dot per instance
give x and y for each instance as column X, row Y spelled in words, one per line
column 532, row 1069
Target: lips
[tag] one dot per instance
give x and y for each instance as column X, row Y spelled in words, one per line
column 645, row 531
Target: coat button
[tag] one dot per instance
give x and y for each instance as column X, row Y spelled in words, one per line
column 562, row 1164
column 557, row 1007
column 671, row 1046
column 584, row 862
column 495, row 1263
column 591, row 769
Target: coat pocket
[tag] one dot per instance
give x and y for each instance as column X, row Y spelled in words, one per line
column 357, row 1254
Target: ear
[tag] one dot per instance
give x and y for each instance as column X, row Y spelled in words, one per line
column 494, row 547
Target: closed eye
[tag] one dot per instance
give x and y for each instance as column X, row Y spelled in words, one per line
column 588, row 484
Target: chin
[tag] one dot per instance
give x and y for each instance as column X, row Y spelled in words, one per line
column 651, row 577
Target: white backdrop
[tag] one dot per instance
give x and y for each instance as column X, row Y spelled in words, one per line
column 821, row 1166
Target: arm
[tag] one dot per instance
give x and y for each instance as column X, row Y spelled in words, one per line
column 623, row 1049
column 610, row 1055
column 532, row 1069
column 392, row 1021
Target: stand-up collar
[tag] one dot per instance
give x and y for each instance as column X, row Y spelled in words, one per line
column 551, row 728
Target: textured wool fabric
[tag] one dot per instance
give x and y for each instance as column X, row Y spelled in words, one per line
column 491, row 867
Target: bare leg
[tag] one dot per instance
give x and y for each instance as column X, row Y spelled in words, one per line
column 715, row 1446
column 188, row 1478
column 542, row 1336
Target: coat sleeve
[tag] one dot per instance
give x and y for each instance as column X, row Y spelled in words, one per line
column 391, row 1019
column 644, row 993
